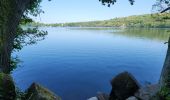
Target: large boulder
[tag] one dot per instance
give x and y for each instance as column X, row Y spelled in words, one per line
column 124, row 85
column 37, row 92
column 147, row 92
column 7, row 87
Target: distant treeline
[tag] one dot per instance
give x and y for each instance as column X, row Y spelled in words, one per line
column 147, row 21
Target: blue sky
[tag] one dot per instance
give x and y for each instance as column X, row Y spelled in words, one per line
column 60, row 11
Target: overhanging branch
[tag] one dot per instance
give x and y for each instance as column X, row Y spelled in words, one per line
column 165, row 10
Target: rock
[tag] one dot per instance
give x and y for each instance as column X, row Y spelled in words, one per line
column 93, row 98
column 132, row 98
column 102, row 96
column 7, row 87
column 37, row 92
column 147, row 92
column 124, row 85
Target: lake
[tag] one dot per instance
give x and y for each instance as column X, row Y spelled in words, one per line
column 77, row 63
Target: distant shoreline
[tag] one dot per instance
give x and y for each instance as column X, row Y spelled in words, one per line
column 138, row 21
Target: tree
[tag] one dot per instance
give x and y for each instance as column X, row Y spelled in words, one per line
column 12, row 13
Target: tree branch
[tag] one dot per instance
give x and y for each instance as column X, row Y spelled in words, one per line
column 165, row 10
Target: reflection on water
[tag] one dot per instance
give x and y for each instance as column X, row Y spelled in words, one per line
column 76, row 63
column 156, row 34
column 150, row 33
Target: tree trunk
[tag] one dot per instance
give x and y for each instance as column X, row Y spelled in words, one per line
column 11, row 12
column 165, row 75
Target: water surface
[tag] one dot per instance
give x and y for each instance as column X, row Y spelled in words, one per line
column 76, row 63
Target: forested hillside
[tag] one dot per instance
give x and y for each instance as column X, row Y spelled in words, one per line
column 148, row 20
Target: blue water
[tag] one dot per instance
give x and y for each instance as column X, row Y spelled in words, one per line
column 77, row 63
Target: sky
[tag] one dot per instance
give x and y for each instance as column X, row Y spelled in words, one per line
column 62, row 11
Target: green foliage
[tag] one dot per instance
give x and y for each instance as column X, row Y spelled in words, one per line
column 164, row 93
column 20, row 95
column 14, row 63
column 109, row 2
column 146, row 21
column 30, row 35
column 24, row 37
column 25, row 20
column 34, row 8
column 7, row 87
column 159, row 6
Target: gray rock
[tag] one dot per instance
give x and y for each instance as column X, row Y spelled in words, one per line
column 132, row 98
column 102, row 96
column 93, row 98
column 37, row 92
column 147, row 92
column 124, row 85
